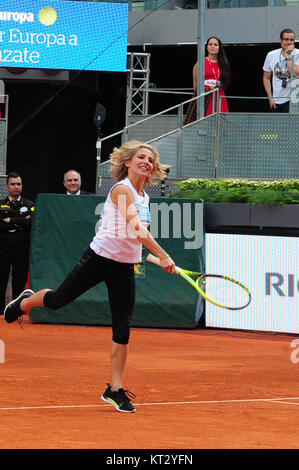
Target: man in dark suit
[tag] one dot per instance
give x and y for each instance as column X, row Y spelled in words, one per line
column 72, row 183
column 16, row 214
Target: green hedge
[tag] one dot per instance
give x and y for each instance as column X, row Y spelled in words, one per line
column 240, row 190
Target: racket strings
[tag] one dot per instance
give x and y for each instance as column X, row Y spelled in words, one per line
column 224, row 292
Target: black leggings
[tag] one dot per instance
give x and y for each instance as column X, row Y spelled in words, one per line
column 90, row 271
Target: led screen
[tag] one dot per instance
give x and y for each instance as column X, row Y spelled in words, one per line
column 268, row 266
column 65, row 35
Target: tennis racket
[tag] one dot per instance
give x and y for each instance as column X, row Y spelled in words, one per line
column 221, row 290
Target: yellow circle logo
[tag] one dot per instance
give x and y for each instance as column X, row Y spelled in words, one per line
column 47, row 16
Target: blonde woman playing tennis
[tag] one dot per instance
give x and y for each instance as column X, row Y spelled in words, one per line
column 110, row 258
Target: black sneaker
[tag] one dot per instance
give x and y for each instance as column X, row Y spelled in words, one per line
column 12, row 310
column 120, row 399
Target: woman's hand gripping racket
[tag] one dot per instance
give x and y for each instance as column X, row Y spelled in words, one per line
column 221, row 290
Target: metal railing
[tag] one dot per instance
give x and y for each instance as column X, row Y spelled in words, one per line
column 3, row 136
column 137, row 128
column 237, row 145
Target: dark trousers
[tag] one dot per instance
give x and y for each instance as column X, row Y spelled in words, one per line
column 281, row 108
column 90, row 271
column 18, row 263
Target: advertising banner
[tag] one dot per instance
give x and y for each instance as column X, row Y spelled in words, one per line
column 63, row 35
column 268, row 266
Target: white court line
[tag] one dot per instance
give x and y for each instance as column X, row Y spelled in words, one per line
column 50, row 407
column 213, row 402
column 286, row 402
column 202, row 402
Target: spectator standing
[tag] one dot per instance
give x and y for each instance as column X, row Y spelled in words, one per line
column 278, row 64
column 217, row 75
column 15, row 227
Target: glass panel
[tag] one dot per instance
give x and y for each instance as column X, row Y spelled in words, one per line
column 243, row 3
column 294, row 105
column 193, row 4
column 142, row 5
column 254, row 146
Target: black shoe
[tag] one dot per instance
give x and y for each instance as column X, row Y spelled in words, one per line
column 12, row 310
column 120, row 399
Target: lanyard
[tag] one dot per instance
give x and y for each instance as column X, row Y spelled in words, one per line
column 216, row 75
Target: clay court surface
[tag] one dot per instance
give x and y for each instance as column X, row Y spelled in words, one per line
column 195, row 389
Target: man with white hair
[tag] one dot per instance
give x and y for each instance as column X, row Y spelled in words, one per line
column 72, row 183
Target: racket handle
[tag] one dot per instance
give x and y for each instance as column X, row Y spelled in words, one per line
column 153, row 259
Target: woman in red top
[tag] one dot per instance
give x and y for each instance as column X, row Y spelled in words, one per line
column 217, row 74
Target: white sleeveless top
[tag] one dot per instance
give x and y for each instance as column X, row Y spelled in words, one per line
column 114, row 239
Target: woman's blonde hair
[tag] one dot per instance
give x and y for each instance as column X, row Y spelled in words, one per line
column 126, row 152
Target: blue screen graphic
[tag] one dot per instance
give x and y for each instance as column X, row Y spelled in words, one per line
column 65, row 35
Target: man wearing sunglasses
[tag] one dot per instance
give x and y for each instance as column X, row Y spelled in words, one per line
column 278, row 64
